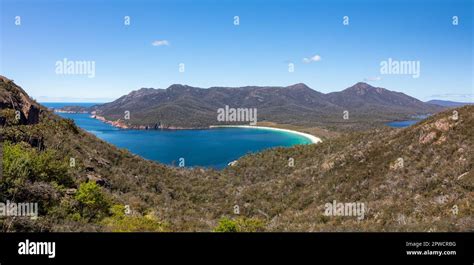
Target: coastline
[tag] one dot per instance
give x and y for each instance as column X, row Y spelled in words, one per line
column 312, row 138
column 122, row 125
column 119, row 124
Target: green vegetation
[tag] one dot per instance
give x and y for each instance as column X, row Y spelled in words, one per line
column 240, row 224
column 120, row 221
column 437, row 176
column 23, row 163
column 32, row 175
column 93, row 203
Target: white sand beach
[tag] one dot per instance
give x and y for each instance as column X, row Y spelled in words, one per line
column 312, row 138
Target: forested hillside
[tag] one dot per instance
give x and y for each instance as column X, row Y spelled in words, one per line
column 416, row 179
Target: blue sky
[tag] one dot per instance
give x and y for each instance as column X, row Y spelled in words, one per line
column 202, row 35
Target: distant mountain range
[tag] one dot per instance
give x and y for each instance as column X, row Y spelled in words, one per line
column 450, row 104
column 182, row 106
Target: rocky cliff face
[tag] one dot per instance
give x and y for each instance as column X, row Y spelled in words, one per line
column 26, row 110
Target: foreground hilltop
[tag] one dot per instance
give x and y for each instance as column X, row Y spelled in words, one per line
column 181, row 106
column 416, row 179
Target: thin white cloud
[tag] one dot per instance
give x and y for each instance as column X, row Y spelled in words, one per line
column 160, row 43
column 373, row 78
column 315, row 58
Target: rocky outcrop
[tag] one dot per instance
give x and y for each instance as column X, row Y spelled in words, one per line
column 118, row 123
column 98, row 180
column 27, row 111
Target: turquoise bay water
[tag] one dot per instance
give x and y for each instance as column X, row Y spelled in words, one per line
column 208, row 148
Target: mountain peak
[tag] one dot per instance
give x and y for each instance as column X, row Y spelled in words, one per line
column 362, row 88
column 140, row 92
column 362, row 85
column 178, row 87
column 299, row 86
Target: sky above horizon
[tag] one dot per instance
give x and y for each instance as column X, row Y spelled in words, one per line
column 327, row 54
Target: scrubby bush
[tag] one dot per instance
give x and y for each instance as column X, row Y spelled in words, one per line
column 93, row 202
column 21, row 162
column 9, row 117
column 121, row 222
column 23, row 166
column 69, row 124
column 240, row 224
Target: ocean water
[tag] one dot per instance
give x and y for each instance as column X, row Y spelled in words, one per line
column 402, row 124
column 407, row 123
column 58, row 105
column 207, row 148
